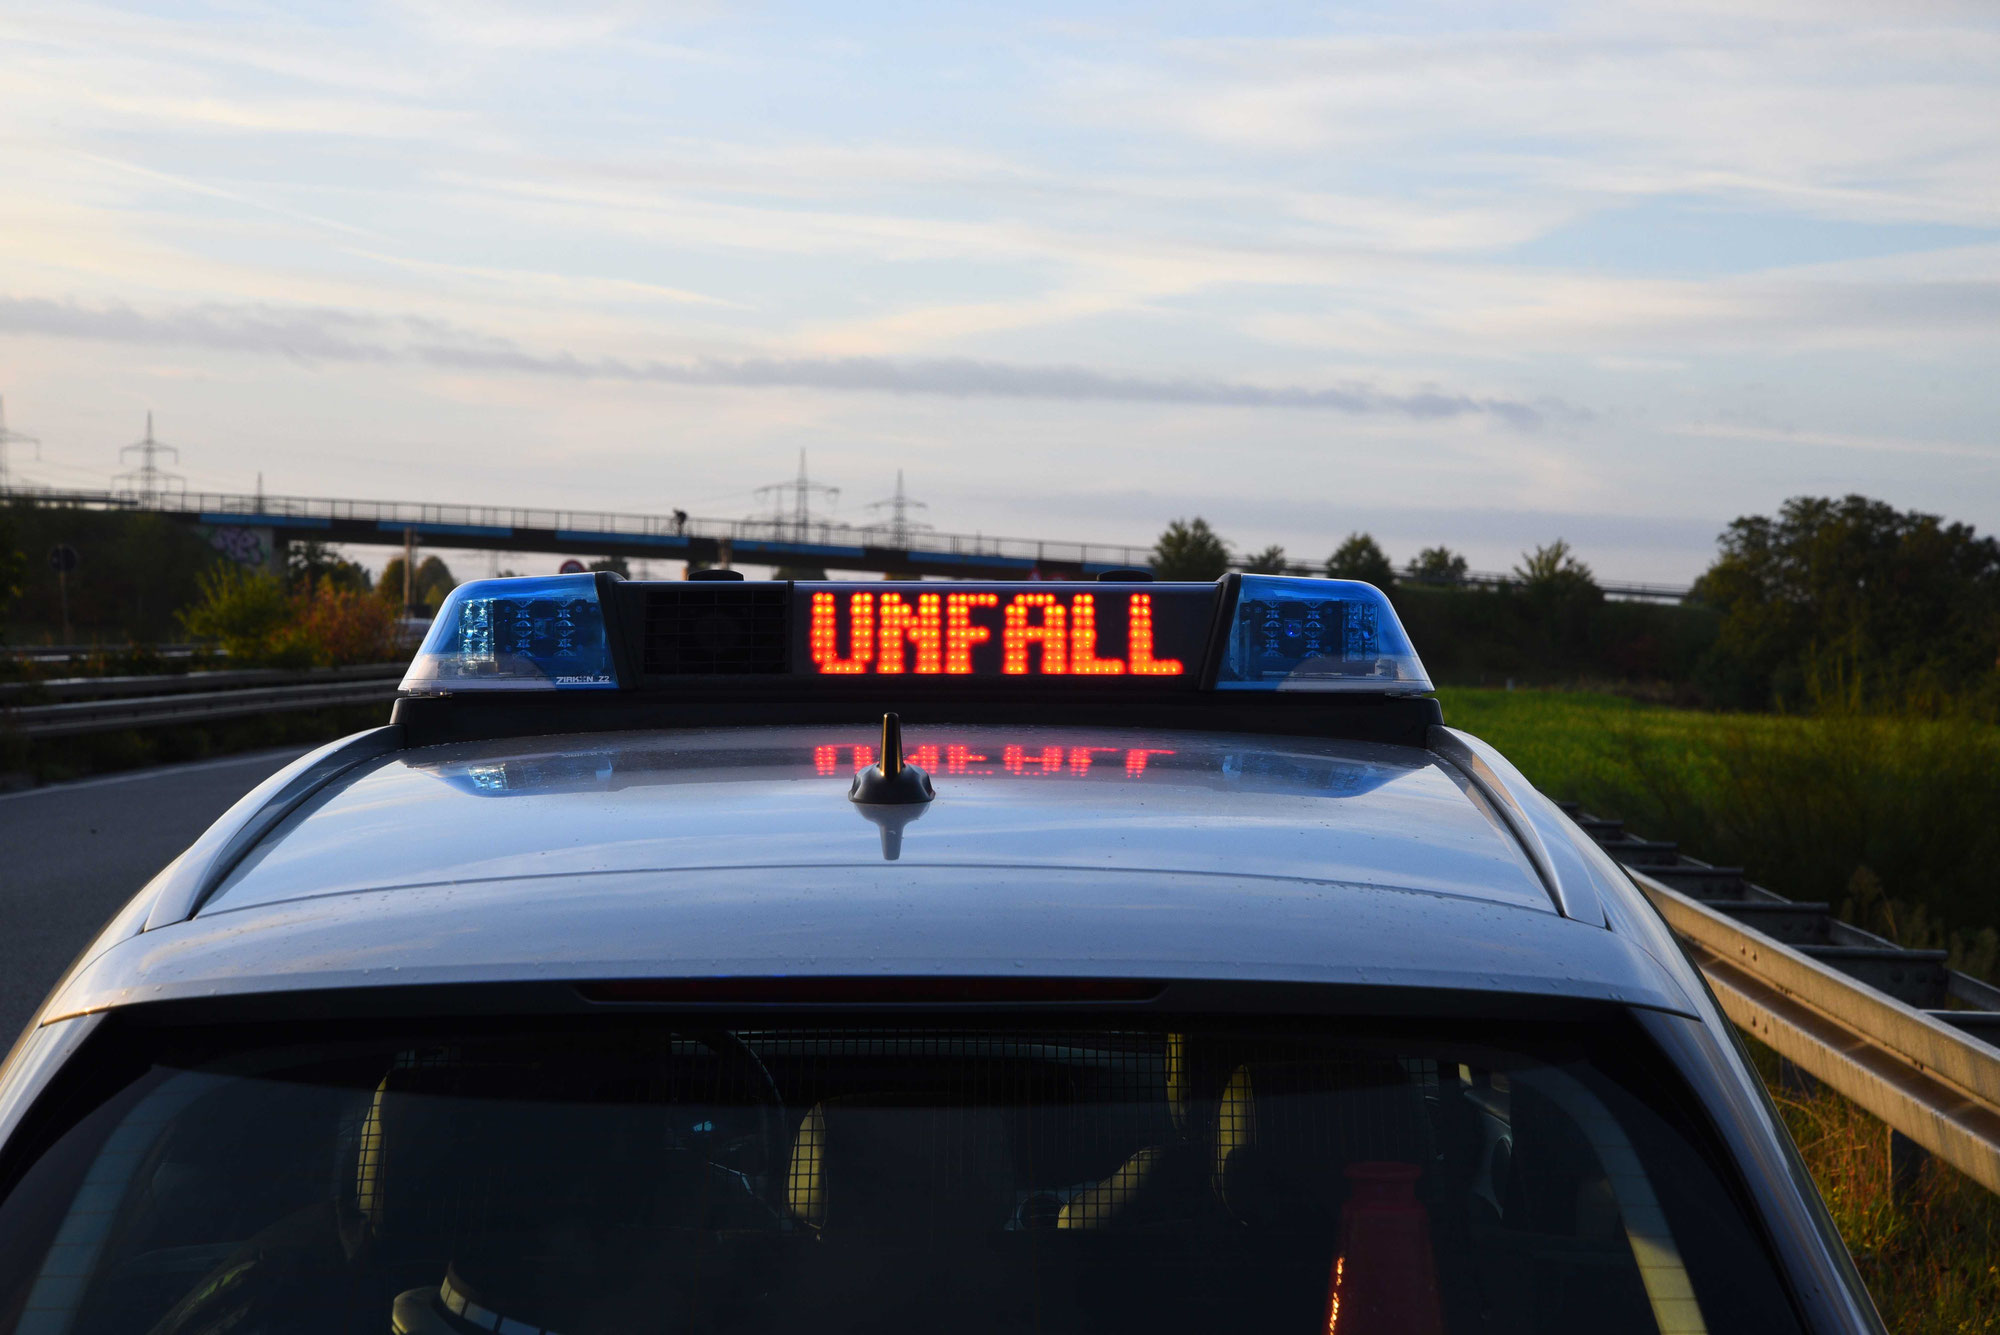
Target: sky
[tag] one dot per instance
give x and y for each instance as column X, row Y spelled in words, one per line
column 1473, row 274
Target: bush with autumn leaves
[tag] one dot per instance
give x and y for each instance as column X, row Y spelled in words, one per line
column 259, row 622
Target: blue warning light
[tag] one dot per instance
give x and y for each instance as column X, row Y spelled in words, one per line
column 538, row 634
column 1291, row 634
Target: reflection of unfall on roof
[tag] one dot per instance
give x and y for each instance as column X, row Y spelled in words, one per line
column 1024, row 760
column 1039, row 633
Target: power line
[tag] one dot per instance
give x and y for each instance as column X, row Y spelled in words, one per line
column 148, row 483
column 12, row 438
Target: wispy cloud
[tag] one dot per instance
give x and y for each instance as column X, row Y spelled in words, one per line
column 339, row 336
column 1840, row 440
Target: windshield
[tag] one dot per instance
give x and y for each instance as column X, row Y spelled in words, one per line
column 1306, row 1178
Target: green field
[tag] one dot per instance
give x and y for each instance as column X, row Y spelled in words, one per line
column 1893, row 821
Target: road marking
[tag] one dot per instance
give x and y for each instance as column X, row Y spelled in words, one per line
column 158, row 772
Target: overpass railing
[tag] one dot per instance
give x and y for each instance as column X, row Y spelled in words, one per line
column 830, row 538
column 502, row 519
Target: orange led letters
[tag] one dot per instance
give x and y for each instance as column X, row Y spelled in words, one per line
column 959, row 632
column 1140, row 646
column 1083, row 659
column 825, row 635
column 940, row 633
column 923, row 627
column 1053, row 635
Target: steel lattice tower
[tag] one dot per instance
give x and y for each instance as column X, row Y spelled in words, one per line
column 899, row 507
column 800, row 491
column 149, row 483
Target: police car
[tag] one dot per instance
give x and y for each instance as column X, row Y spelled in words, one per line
column 776, row 958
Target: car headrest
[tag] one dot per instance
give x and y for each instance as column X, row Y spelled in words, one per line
column 1286, row 1131
column 453, row 1147
column 901, row 1163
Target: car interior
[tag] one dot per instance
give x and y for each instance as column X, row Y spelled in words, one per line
column 1290, row 1176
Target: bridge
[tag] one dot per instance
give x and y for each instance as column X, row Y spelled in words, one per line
column 773, row 542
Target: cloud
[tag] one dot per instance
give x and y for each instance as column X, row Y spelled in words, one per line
column 317, row 334
column 1839, row 440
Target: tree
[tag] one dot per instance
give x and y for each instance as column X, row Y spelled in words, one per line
column 339, row 627
column 1270, row 561
column 434, row 580
column 1360, row 557
column 1552, row 574
column 1853, row 602
column 615, row 564
column 311, row 565
column 1436, row 565
column 1190, row 549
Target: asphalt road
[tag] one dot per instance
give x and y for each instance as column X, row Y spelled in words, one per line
column 71, row 854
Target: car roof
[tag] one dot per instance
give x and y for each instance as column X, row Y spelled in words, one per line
column 1102, row 800
column 1048, row 852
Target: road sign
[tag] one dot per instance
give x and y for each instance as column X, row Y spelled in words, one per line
column 570, row 567
column 62, row 558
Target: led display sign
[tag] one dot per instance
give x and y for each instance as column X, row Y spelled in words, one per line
column 941, row 630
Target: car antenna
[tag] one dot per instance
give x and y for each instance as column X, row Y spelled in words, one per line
column 892, row 792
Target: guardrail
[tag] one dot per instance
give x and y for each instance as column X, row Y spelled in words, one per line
column 69, row 653
column 1894, row 1030
column 108, row 704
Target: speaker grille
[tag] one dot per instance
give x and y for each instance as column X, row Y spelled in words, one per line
column 713, row 629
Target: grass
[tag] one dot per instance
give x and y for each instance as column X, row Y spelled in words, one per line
column 1929, row 1251
column 1890, row 820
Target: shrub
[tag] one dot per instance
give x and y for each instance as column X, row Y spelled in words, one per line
column 342, row 626
column 259, row 625
column 239, row 609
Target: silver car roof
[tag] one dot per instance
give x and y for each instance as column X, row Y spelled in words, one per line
column 1121, row 802
column 1065, row 852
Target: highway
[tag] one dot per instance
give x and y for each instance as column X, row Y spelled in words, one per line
column 71, row 853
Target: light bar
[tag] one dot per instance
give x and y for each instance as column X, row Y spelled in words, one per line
column 1287, row 634
column 541, row 634
column 824, row 640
